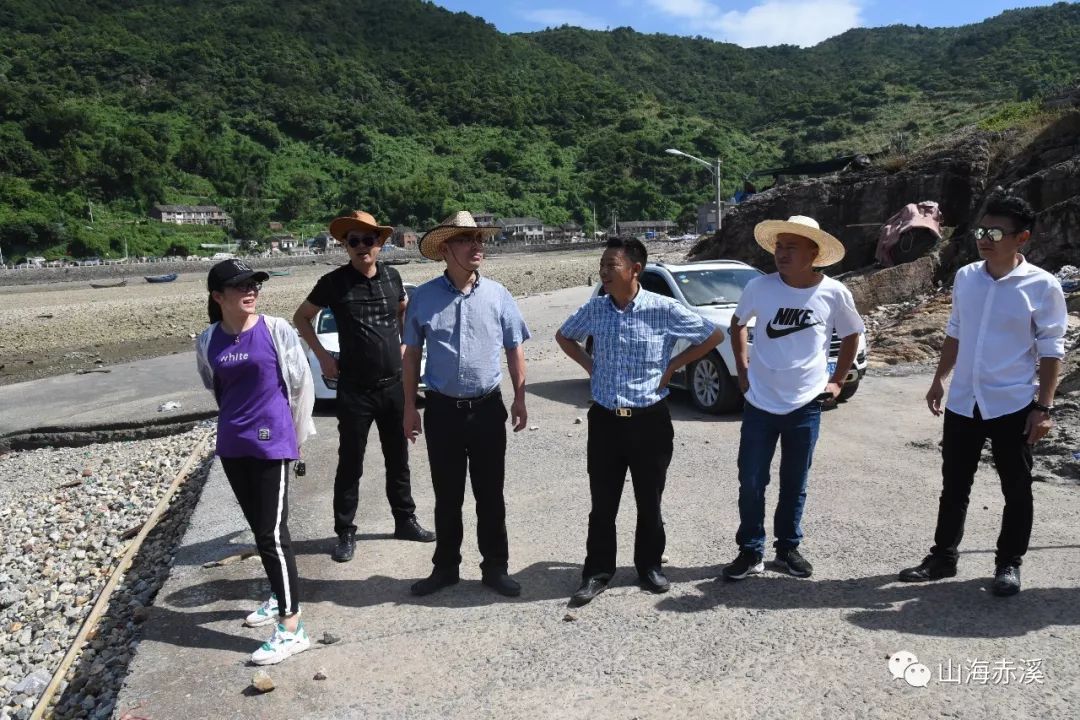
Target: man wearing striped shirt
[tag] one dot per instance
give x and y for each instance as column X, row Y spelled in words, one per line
column 633, row 332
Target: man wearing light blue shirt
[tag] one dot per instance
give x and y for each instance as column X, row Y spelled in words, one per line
column 465, row 321
column 634, row 332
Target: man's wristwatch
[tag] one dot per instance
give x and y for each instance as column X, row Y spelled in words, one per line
column 1048, row 409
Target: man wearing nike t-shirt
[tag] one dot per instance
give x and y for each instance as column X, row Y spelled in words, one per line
column 797, row 310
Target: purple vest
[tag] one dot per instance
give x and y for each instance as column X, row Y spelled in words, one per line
column 254, row 419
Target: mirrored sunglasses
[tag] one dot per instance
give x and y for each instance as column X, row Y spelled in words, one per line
column 995, row 234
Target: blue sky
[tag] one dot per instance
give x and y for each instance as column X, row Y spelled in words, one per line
column 749, row 23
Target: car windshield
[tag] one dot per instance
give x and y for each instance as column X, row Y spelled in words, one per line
column 712, row 286
column 327, row 322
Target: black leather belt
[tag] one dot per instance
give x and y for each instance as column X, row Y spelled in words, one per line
column 462, row 403
column 626, row 412
column 372, row 385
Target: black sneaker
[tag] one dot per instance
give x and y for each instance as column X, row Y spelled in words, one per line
column 1006, row 580
column 345, row 549
column 793, row 563
column 748, row 563
column 410, row 529
column 931, row 568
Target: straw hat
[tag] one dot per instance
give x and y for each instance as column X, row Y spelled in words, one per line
column 359, row 220
column 830, row 250
column 460, row 223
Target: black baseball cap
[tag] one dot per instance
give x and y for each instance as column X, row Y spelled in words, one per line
column 232, row 272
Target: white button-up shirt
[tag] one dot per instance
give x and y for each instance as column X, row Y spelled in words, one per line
column 1003, row 326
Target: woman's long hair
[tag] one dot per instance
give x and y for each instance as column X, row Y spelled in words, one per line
column 213, row 309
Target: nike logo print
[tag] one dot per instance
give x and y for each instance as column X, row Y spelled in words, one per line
column 795, row 318
column 781, row 332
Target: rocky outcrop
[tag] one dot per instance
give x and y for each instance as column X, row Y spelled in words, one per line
column 957, row 174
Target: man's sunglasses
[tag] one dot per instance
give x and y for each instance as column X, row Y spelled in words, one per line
column 995, row 234
column 466, row 240
column 366, row 240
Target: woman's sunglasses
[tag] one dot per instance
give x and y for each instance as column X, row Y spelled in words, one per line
column 247, row 287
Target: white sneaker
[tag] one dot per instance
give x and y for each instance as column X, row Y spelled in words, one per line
column 266, row 614
column 281, row 645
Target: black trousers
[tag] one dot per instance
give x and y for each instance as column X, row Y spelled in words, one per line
column 262, row 489
column 356, row 410
column 643, row 444
column 472, row 439
column 962, row 446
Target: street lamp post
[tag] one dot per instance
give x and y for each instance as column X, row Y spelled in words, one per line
column 715, row 170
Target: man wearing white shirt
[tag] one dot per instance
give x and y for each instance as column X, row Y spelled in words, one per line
column 784, row 380
column 1008, row 317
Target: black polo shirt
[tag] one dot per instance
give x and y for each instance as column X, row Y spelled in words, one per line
column 366, row 310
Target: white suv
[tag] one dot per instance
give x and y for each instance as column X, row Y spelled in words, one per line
column 712, row 289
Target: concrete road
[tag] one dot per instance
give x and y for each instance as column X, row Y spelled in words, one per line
column 771, row 646
column 127, row 392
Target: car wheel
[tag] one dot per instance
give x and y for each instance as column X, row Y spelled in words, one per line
column 711, row 387
column 848, row 390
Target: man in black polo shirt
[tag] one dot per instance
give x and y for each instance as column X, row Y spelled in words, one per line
column 368, row 301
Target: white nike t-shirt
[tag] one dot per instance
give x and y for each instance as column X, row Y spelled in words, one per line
column 790, row 353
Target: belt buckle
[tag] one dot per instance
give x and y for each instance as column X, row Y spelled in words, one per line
column 622, row 412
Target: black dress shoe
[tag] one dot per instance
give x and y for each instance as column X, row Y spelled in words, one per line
column 502, row 584
column 1006, row 581
column 346, row 547
column 410, row 529
column 590, row 588
column 931, row 568
column 437, row 580
column 654, row 581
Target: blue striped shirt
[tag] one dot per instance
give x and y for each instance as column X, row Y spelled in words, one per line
column 463, row 333
column 632, row 347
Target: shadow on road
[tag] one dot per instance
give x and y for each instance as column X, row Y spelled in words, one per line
column 575, row 393
column 944, row 608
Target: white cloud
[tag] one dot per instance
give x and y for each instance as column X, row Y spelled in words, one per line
column 693, row 9
column 772, row 22
column 554, row 17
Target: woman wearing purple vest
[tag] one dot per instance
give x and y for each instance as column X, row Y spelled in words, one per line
column 255, row 366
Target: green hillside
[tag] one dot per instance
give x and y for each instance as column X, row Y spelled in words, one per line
column 296, row 111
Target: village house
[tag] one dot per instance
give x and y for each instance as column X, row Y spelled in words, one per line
column 637, row 228
column 484, row 218
column 404, row 237
column 524, row 230
column 191, row 215
column 323, row 242
column 706, row 218
column 282, row 242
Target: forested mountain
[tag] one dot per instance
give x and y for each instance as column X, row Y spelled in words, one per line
column 297, row 110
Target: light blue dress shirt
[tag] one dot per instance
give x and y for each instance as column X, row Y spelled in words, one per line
column 464, row 334
column 632, row 347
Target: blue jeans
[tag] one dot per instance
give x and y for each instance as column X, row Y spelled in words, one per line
column 798, row 434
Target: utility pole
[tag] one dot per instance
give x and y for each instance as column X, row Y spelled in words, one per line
column 593, row 239
column 719, row 201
